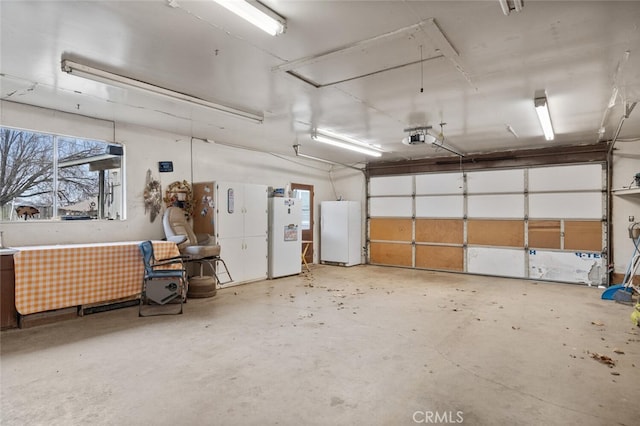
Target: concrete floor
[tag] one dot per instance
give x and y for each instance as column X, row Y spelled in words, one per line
column 337, row 346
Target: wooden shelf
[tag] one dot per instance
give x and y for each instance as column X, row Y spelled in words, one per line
column 626, row 191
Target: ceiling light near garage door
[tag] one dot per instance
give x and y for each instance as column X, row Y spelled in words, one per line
column 345, row 142
column 256, row 13
column 509, row 5
column 542, row 109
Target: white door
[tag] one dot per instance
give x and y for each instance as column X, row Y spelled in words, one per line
column 230, row 210
column 256, row 210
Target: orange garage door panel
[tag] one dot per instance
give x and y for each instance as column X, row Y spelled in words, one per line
column 440, row 257
column 449, row 231
column 583, row 235
column 390, row 229
column 544, row 234
column 396, row 254
column 506, row 233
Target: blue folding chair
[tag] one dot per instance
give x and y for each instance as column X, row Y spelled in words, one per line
column 161, row 285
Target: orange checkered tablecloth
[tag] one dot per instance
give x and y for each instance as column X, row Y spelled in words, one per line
column 54, row 277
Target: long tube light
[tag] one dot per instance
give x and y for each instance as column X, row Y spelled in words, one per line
column 542, row 109
column 296, row 148
column 112, row 79
column 345, row 138
column 257, row 14
column 319, row 137
column 518, row 5
column 509, row 5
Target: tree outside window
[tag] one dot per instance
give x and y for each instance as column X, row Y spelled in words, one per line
column 44, row 176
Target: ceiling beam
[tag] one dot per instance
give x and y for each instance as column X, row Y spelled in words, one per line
column 503, row 159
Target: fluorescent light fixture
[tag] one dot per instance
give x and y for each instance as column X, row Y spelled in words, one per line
column 542, row 109
column 505, row 7
column 117, row 80
column 345, row 143
column 509, row 5
column 296, row 148
column 257, row 14
column 518, row 5
column 333, row 135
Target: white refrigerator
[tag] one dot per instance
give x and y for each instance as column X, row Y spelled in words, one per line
column 340, row 232
column 285, row 237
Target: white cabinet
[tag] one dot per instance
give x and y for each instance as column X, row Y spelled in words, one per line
column 241, row 224
column 340, row 232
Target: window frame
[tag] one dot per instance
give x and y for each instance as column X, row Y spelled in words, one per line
column 101, row 207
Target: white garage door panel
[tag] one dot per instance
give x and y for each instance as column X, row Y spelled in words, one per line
column 495, row 261
column 390, row 207
column 581, row 205
column 393, row 185
column 496, row 206
column 445, row 183
column 570, row 196
column 443, row 206
column 495, row 181
column 565, row 178
column 584, row 268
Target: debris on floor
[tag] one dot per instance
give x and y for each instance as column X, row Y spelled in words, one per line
column 604, row 359
column 598, row 323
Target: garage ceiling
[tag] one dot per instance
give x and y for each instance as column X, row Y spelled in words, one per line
column 366, row 69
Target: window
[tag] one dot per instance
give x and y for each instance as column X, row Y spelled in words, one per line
column 305, row 197
column 45, row 176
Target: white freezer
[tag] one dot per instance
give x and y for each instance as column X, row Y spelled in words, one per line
column 340, row 232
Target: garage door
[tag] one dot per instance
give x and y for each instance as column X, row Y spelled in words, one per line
column 545, row 223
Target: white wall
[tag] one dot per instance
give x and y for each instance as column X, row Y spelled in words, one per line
column 144, row 147
column 626, row 163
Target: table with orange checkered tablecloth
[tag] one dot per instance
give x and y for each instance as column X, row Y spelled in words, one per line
column 55, row 277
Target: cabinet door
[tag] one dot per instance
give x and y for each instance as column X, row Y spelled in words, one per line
column 255, row 258
column 233, row 254
column 256, row 210
column 230, row 210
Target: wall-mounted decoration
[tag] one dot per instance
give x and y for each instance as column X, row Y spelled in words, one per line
column 152, row 197
column 165, row 166
column 179, row 194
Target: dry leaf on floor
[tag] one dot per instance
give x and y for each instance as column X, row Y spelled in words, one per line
column 598, row 323
column 603, row 359
column 618, row 351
